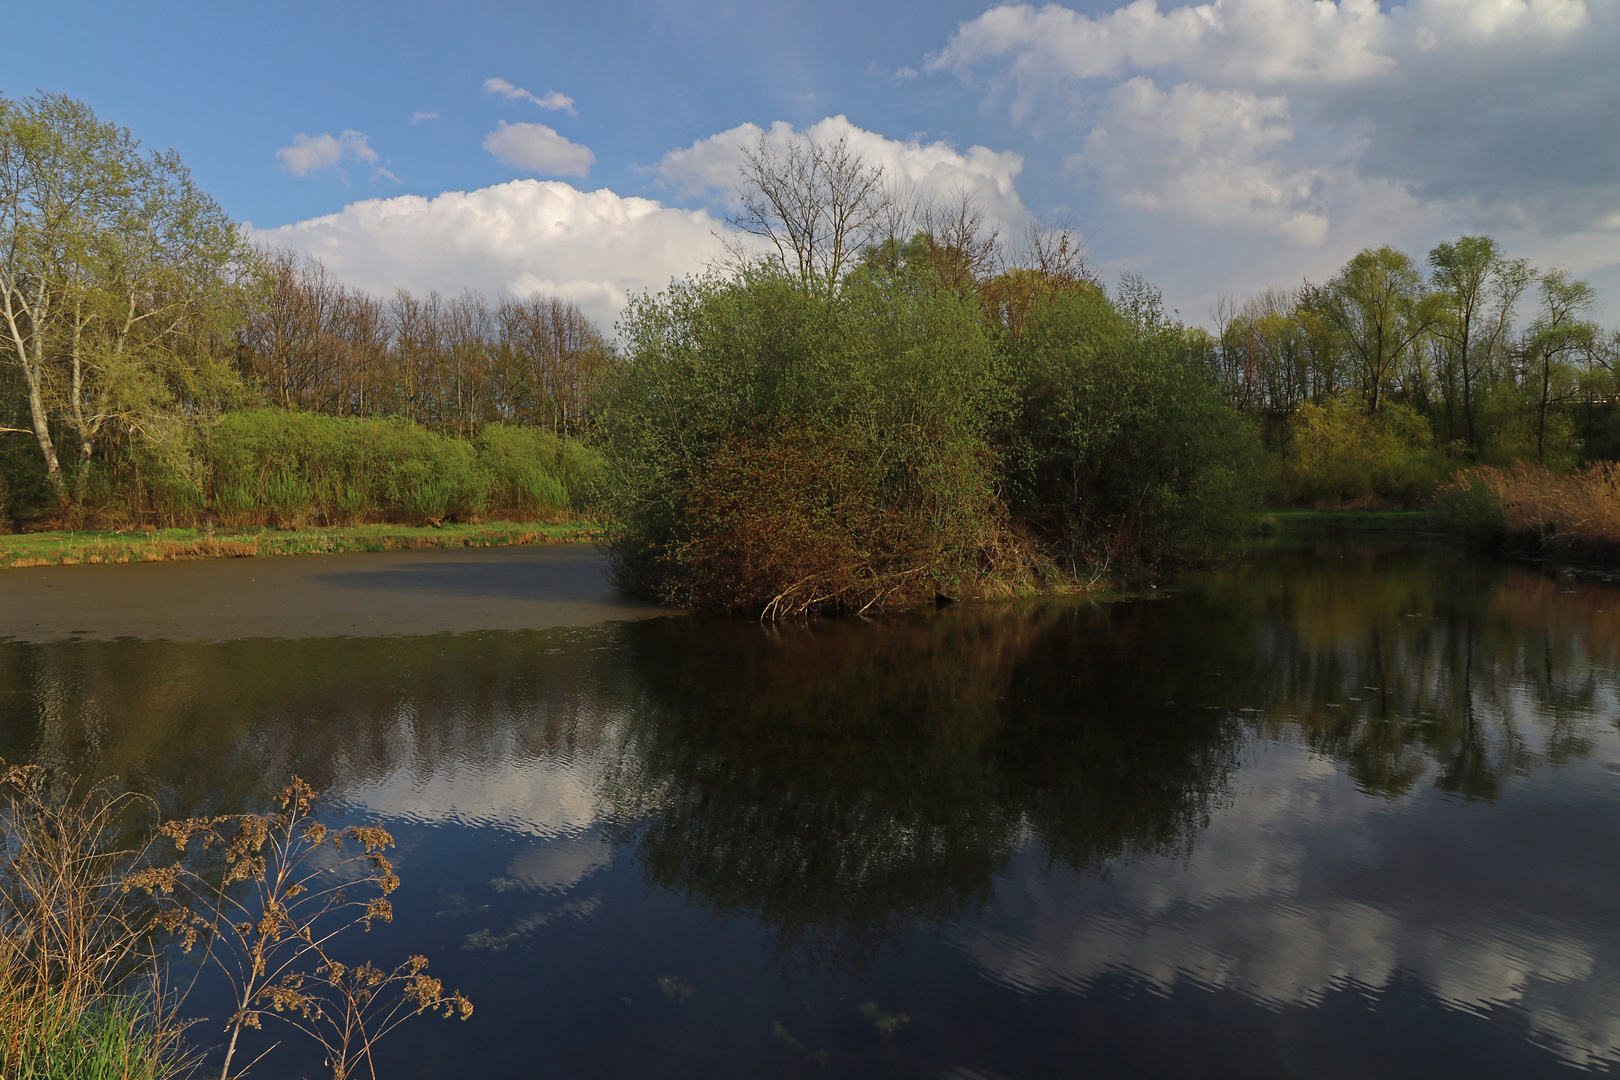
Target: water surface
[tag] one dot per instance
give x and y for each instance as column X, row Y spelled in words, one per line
column 1338, row 811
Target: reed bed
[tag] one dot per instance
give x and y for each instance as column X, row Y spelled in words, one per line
column 1528, row 506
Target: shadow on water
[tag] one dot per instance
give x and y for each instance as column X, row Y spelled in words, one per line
column 845, row 784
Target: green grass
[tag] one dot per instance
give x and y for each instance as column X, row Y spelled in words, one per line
column 1338, row 522
column 117, row 1038
column 62, row 548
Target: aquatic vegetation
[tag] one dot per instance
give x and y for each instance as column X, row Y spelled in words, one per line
column 888, row 1023
column 676, row 989
column 781, row 1035
column 487, row 941
column 458, row 907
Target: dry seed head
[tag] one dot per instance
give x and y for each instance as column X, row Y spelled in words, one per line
column 296, row 796
column 378, row 908
column 154, row 879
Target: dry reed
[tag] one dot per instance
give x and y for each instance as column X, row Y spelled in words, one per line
column 85, row 911
column 73, row 938
column 1529, row 505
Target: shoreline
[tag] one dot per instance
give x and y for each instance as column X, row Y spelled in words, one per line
column 99, row 547
column 412, row 593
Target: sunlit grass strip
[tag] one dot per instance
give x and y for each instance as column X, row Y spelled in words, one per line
column 157, row 545
column 1334, row 522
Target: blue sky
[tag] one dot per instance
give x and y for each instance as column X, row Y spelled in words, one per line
column 1216, row 148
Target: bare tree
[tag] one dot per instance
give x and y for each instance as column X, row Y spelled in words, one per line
column 1058, row 250
column 815, row 204
column 962, row 248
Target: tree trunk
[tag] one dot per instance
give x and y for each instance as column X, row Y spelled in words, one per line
column 42, row 432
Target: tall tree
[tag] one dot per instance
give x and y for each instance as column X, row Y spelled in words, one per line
column 1478, row 289
column 1377, row 302
column 1557, row 334
column 118, row 279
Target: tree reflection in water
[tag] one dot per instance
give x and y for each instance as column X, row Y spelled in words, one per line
column 844, row 780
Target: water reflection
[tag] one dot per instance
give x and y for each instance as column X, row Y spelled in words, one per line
column 843, row 781
column 1326, row 776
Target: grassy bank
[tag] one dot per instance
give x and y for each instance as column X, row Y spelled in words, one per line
column 63, row 548
column 1314, row 523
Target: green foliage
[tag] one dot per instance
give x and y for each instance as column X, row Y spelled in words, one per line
column 293, row 468
column 1337, row 452
column 117, row 1038
column 772, row 449
column 535, row 471
column 1118, row 446
column 893, row 381
column 1469, row 507
column 122, row 280
column 271, row 466
column 1511, row 432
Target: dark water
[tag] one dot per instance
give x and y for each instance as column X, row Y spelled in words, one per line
column 1339, row 812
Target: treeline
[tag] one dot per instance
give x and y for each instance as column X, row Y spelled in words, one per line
column 452, row 364
column 1392, row 375
column 141, row 337
column 879, row 402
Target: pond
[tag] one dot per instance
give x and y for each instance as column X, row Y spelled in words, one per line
column 1335, row 811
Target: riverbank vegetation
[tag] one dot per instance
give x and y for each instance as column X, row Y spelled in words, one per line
column 1530, row 508
column 1383, row 382
column 98, row 892
column 156, row 368
column 65, row 548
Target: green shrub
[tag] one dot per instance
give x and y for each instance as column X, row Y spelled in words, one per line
column 532, row 471
column 891, row 380
column 1118, row 449
column 280, row 467
column 1469, row 507
column 1337, row 453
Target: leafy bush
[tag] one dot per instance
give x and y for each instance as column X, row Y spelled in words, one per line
column 533, row 471
column 272, row 466
column 778, row 450
column 1469, row 506
column 1337, row 453
column 1119, row 449
column 760, row 430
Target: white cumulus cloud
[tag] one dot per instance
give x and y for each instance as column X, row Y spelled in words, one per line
column 937, row 169
column 1298, row 129
column 539, row 149
column 312, row 153
column 517, row 238
column 557, row 102
column 1206, row 156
